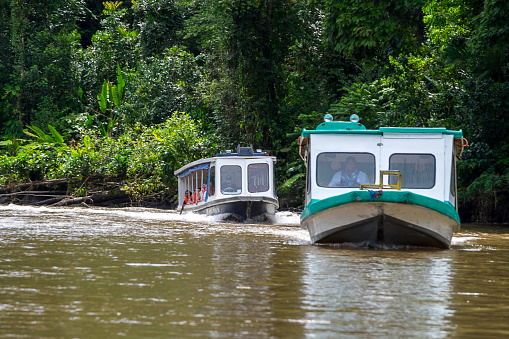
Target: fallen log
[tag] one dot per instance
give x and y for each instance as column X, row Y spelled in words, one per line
column 72, row 201
column 34, row 193
column 115, row 203
column 100, row 199
column 106, row 197
column 50, row 200
column 12, row 188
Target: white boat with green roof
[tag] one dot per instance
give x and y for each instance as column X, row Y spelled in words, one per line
column 390, row 186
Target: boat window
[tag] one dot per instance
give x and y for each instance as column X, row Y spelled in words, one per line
column 340, row 169
column 274, row 187
column 417, row 170
column 231, row 179
column 453, row 176
column 308, row 176
column 212, row 182
column 258, row 178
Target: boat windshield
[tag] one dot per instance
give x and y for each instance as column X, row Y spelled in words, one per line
column 417, row 170
column 231, row 179
column 342, row 169
column 258, row 178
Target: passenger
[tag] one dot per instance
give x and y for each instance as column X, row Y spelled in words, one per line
column 203, row 192
column 350, row 177
column 228, row 186
column 187, row 198
column 196, row 196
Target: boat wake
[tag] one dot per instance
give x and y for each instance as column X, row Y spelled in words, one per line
column 280, row 218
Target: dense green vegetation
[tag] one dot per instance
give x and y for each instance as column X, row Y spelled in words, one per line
column 126, row 92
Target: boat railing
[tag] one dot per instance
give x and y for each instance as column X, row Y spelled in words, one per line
column 381, row 185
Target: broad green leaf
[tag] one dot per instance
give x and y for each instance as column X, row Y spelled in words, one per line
column 114, row 95
column 57, row 137
column 103, row 98
column 40, row 134
column 288, row 183
column 30, row 134
column 120, row 84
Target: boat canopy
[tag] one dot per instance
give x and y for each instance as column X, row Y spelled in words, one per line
column 193, row 169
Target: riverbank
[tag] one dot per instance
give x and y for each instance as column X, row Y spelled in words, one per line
column 99, row 192
column 133, row 169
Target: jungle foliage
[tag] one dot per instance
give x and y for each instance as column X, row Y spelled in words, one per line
column 116, row 76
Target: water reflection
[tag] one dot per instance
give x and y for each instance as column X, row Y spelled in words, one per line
column 146, row 273
column 481, row 282
column 377, row 293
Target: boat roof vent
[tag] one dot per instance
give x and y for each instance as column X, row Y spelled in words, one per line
column 245, row 151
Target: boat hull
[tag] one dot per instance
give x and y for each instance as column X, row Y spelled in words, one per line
column 239, row 208
column 381, row 222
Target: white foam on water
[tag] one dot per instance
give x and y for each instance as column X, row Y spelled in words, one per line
column 287, row 218
column 99, row 221
column 129, row 212
column 285, row 222
column 458, row 240
column 280, row 218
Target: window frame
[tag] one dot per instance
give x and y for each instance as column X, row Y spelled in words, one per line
column 416, row 154
column 454, row 185
column 267, row 177
column 221, row 180
column 211, row 185
column 348, row 154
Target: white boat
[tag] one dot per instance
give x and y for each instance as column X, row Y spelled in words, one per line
column 239, row 185
column 390, row 186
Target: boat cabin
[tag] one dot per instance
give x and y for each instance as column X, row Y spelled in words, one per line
column 341, row 156
column 245, row 174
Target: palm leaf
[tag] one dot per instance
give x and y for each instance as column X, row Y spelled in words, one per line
column 120, row 84
column 30, row 134
column 103, row 97
column 289, row 182
column 40, row 134
column 114, row 95
column 57, row 137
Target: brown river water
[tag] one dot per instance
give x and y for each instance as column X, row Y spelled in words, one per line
column 141, row 273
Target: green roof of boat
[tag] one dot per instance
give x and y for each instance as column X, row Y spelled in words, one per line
column 347, row 127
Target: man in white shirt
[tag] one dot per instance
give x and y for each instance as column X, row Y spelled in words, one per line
column 350, row 177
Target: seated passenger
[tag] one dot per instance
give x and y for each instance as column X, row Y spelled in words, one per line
column 187, row 198
column 203, row 192
column 350, row 177
column 196, row 196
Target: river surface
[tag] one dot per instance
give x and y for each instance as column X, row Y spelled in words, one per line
column 141, row 273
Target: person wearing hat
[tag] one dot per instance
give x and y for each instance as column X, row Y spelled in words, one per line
column 227, row 186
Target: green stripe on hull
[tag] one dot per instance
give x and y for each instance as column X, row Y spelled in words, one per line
column 316, row 206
